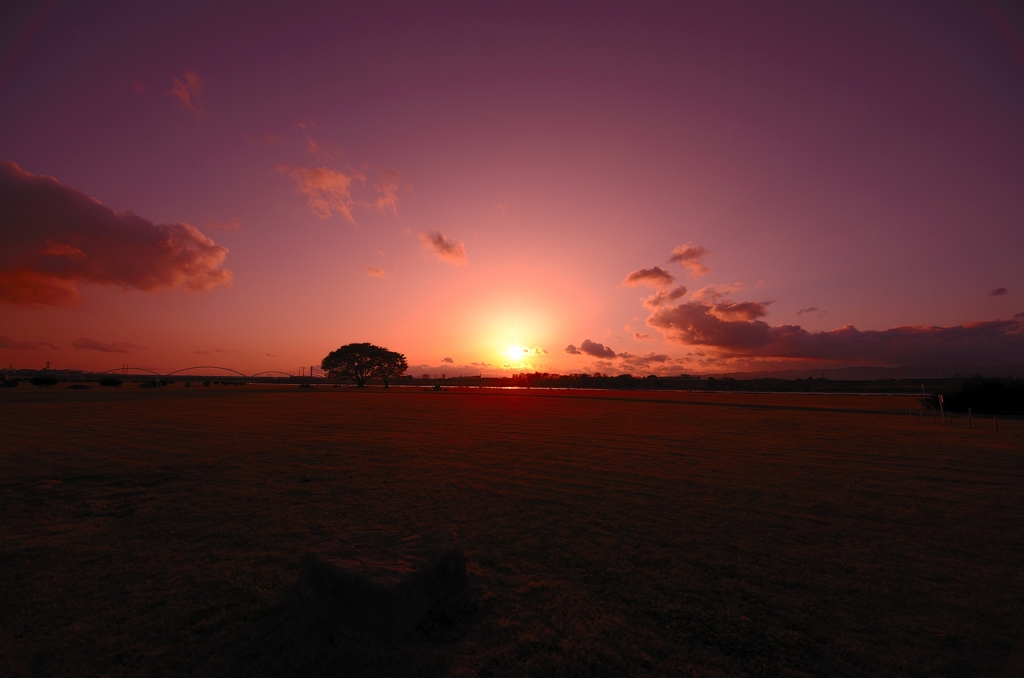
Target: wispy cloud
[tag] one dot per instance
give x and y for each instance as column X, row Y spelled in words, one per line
column 640, row 336
column 188, row 90
column 572, row 350
column 7, row 342
column 387, row 191
column 689, row 256
column 106, row 346
column 233, row 224
column 322, row 150
column 55, row 238
column 445, row 249
column 374, row 272
column 998, row 292
column 447, row 360
column 328, row 192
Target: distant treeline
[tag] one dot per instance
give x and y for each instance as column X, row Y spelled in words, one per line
column 983, row 395
column 687, row 382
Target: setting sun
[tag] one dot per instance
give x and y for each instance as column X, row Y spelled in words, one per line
column 517, row 353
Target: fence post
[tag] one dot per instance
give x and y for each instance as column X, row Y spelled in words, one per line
column 995, row 424
column 968, row 417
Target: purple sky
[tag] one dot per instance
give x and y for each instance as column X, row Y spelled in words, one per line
column 477, row 182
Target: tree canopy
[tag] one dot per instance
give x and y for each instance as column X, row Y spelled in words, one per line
column 362, row 362
column 392, row 365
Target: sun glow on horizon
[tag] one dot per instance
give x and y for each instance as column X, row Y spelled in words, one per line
column 517, row 353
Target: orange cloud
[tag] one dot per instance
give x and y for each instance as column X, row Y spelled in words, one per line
column 56, row 238
column 689, row 256
column 328, row 192
column 450, row 251
column 374, row 272
column 322, row 150
column 662, row 297
column 743, row 310
column 189, row 92
column 715, row 293
column 387, row 190
column 655, row 276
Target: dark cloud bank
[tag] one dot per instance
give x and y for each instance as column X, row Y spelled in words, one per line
column 735, row 330
column 56, row 238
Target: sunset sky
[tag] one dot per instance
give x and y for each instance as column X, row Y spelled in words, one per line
column 498, row 187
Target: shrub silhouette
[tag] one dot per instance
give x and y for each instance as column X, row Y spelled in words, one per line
column 44, row 381
column 110, row 381
column 989, row 395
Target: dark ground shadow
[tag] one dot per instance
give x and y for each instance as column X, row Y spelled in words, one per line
column 290, row 639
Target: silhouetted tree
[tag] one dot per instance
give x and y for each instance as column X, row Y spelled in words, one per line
column 358, row 362
column 362, row 362
column 391, row 366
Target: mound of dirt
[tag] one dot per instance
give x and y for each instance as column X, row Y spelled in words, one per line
column 379, row 585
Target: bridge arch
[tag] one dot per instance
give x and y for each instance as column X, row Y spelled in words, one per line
column 123, row 370
column 206, row 367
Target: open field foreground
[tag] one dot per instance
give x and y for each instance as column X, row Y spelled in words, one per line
column 159, row 531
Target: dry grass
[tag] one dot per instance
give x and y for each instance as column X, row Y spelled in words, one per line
column 159, row 532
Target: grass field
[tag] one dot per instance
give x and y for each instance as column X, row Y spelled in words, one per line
column 159, row 532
